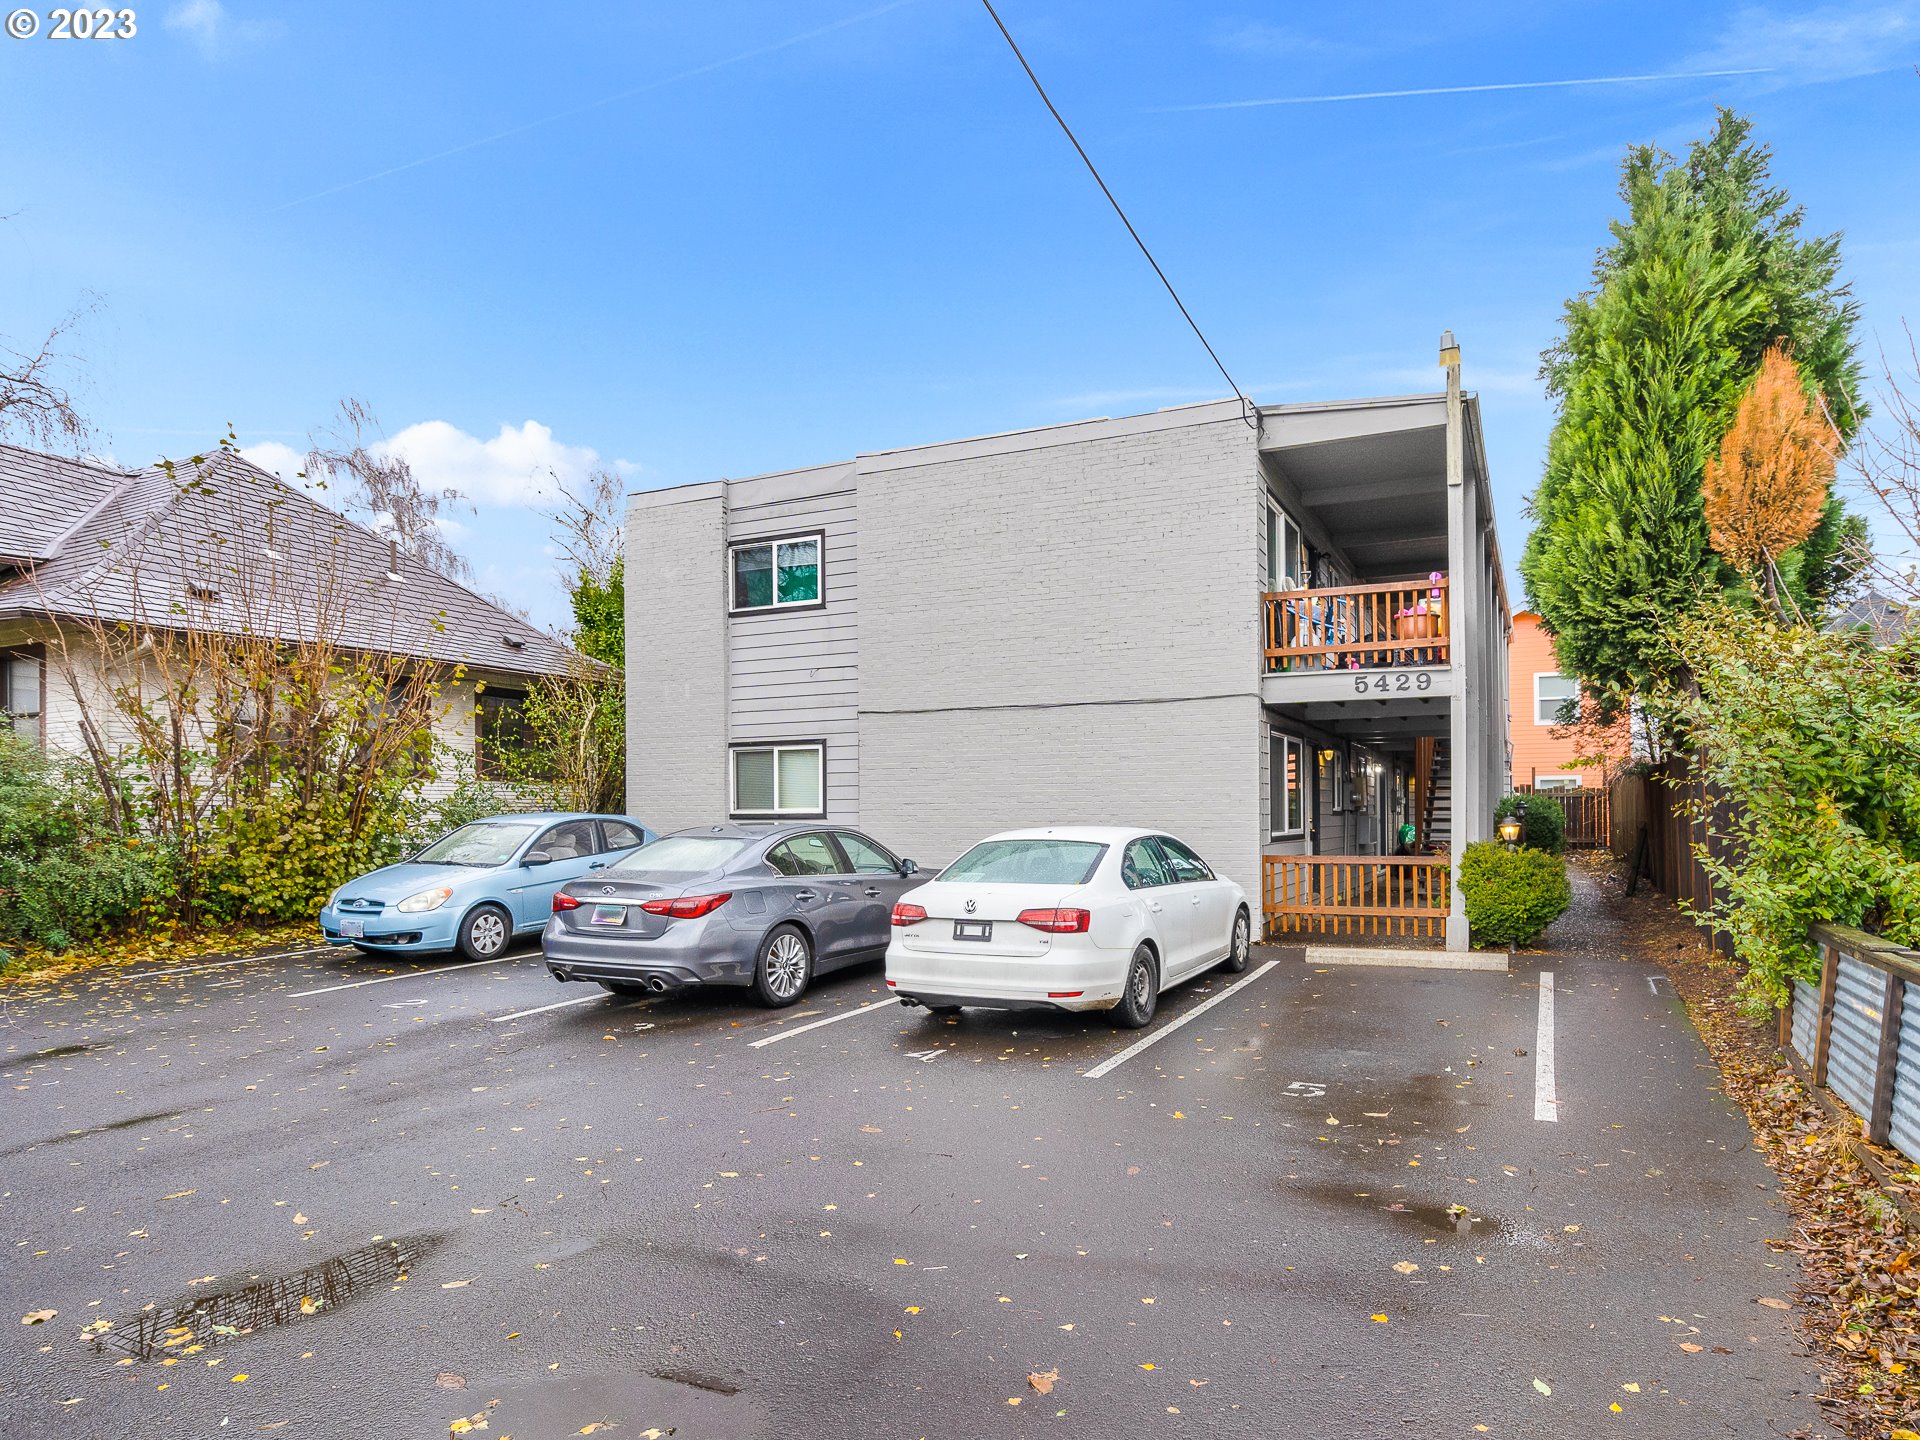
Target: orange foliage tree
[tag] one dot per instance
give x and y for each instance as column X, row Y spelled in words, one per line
column 1766, row 489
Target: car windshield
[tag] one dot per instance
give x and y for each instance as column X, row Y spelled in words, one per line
column 680, row 855
column 1028, row 862
column 478, row 844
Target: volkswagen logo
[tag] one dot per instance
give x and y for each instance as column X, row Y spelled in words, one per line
column 971, row 907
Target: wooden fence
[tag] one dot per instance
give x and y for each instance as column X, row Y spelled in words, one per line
column 1657, row 818
column 1407, row 895
column 1859, row 1031
column 1588, row 813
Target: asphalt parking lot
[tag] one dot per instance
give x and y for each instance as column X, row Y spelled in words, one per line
column 318, row 1193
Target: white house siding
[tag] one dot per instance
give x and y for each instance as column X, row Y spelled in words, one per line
column 795, row 674
column 1056, row 627
column 677, row 656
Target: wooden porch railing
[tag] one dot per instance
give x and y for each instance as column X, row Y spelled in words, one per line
column 1357, row 626
column 1356, row 894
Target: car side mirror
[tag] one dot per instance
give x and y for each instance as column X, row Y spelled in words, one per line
column 907, row 867
column 537, row 857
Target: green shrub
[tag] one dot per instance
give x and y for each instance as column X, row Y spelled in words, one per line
column 1543, row 821
column 1511, row 895
column 65, row 873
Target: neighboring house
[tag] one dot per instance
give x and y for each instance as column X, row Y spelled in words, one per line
column 1887, row 621
column 1216, row 620
column 224, row 546
column 1542, row 758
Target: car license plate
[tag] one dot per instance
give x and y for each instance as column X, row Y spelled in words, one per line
column 354, row 929
column 973, row 929
column 609, row 915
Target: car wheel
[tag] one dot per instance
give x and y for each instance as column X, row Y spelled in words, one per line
column 1142, row 995
column 485, row 932
column 784, row 967
column 1240, row 947
column 631, row 988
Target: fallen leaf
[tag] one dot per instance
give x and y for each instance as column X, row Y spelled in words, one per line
column 1773, row 1304
column 1405, row 1267
column 454, row 1284
column 1542, row 1386
column 240, row 1379
column 1632, row 1387
column 1691, row 1348
column 38, row 1317
column 1013, row 1399
column 447, row 1380
column 1615, row 1407
column 1379, row 1319
column 1043, row 1380
column 298, row 1218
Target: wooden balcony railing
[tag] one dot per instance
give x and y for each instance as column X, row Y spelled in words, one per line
column 1356, row 894
column 1357, row 627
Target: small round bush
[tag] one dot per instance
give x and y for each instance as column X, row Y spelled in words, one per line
column 1511, row 895
column 1542, row 818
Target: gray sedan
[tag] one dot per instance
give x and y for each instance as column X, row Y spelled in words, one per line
column 770, row 908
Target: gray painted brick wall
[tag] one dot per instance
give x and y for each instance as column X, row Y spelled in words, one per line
column 677, row 658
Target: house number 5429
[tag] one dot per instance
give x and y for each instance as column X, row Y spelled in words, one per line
column 1393, row 682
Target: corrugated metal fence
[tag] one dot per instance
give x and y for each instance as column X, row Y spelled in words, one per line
column 1859, row 1031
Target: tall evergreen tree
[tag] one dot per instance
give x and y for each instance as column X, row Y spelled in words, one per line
column 1708, row 269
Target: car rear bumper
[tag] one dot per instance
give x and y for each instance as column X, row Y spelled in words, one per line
column 1078, row 978
column 688, row 953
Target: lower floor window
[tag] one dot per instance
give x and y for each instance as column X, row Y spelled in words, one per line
column 1287, row 787
column 779, row 780
column 503, row 736
column 21, row 682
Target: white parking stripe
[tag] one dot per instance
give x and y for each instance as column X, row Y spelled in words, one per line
column 1165, row 1030
column 542, row 1009
column 407, row 975
column 1546, row 1101
column 224, row 964
column 816, row 1024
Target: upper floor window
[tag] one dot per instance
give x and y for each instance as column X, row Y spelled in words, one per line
column 775, row 574
column 1550, row 692
column 21, row 682
column 1286, row 551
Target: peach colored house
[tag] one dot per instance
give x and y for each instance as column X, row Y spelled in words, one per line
column 1536, row 690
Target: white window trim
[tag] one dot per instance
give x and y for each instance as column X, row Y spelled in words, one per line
column 776, row 749
column 1540, row 675
column 1282, row 525
column 1557, row 782
column 1277, row 785
column 818, row 537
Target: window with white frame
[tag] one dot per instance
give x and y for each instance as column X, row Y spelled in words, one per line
column 1556, row 782
column 773, row 781
column 777, row 574
column 22, row 681
column 1286, row 551
column 1287, row 796
column 1550, row 692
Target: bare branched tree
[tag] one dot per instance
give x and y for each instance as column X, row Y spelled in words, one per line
column 36, row 406
column 381, row 485
column 1885, row 465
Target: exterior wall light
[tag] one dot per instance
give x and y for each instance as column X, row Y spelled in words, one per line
column 1510, row 832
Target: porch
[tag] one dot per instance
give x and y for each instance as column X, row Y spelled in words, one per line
column 1400, row 896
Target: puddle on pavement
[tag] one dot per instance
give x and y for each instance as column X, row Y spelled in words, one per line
column 266, row 1301
column 154, row 1117
column 679, row 1403
column 1412, row 1214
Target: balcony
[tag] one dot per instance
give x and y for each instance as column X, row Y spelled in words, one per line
column 1357, row 627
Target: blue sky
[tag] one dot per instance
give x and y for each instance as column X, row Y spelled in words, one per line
column 735, row 237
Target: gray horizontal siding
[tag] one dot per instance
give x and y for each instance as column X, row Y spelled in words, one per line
column 794, row 674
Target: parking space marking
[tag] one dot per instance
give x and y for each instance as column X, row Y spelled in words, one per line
column 225, row 964
column 1546, row 1101
column 542, row 1009
column 408, row 975
column 816, row 1024
column 1165, row 1030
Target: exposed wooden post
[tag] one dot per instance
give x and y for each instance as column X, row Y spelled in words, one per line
column 1823, row 1027
column 1892, row 1008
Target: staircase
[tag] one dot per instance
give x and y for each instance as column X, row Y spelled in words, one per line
column 1436, row 825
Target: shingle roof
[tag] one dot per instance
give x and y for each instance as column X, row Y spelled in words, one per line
column 231, row 547
column 1885, row 620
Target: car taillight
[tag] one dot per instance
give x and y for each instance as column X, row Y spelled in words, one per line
column 564, row 902
column 687, row 907
column 1057, row 922
column 908, row 914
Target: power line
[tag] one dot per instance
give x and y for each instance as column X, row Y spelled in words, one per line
column 1067, row 130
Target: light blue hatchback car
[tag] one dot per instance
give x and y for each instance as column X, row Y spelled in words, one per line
column 473, row 890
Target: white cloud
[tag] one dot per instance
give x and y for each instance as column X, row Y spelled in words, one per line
column 1832, row 43
column 208, row 25
column 276, row 459
column 516, row 467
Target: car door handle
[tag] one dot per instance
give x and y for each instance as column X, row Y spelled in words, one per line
column 598, row 865
column 872, row 894
column 1194, row 898
column 804, row 895
column 1154, row 905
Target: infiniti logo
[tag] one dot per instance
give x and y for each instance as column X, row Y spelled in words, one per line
column 971, row 907
column 606, row 889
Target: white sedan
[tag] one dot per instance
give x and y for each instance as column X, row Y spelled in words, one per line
column 1069, row 918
